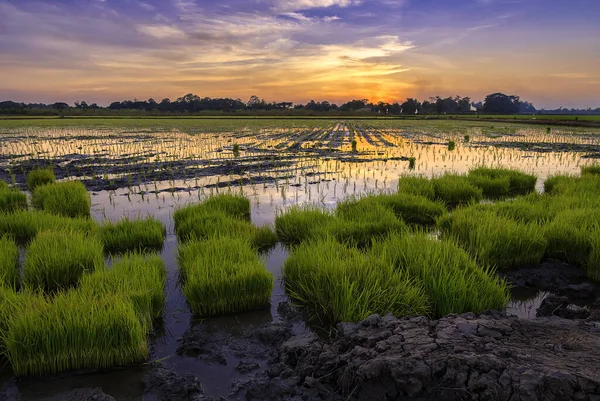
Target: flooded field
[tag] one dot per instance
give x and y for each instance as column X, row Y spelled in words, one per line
column 156, row 167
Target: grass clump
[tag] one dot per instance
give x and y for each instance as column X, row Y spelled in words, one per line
column 133, row 235
column 9, row 263
column 344, row 284
column 495, row 240
column 298, row 224
column 68, row 199
column 413, row 209
column 223, row 275
column 141, row 278
column 25, row 225
column 568, row 235
column 361, row 220
column 12, row 200
column 38, row 177
column 455, row 190
column 590, row 170
column 72, row 331
column 451, row 278
column 420, row 186
column 57, row 259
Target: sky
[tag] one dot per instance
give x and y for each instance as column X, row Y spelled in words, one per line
column 545, row 51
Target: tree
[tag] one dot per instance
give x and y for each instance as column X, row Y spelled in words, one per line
column 411, row 106
column 499, row 103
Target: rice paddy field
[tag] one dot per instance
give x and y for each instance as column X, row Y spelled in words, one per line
column 120, row 237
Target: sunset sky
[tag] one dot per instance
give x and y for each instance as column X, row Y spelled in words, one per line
column 546, row 51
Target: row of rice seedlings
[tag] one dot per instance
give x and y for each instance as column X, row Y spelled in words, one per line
column 141, row 278
column 197, row 223
column 72, row 331
column 9, row 263
column 342, row 283
column 38, row 177
column 223, row 274
column 23, row 226
column 68, row 199
column 56, row 260
column 495, row 240
column 126, row 235
column 452, row 280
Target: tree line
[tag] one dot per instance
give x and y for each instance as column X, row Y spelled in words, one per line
column 496, row 103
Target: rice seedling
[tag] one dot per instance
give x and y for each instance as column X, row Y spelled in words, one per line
column 57, row 259
column 494, row 240
column 354, row 143
column 141, row 278
column 144, row 235
column 451, row 145
column 38, row 177
column 14, row 304
column 413, row 209
column 498, row 182
column 556, row 181
column 455, row 190
column 467, row 138
column 71, row 331
column 420, row 186
column 568, row 235
column 532, row 208
column 341, row 283
column 12, row 200
column 492, row 187
column 411, row 163
column 585, row 186
column 236, row 149
column 452, row 280
column 9, row 263
column 590, row 170
column 223, row 275
column 3, row 185
column 299, row 224
column 24, row 226
column 68, row 199
column 361, row 220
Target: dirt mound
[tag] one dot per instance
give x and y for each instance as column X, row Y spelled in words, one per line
column 490, row 357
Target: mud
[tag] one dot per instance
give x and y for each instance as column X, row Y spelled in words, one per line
column 552, row 276
column 490, row 357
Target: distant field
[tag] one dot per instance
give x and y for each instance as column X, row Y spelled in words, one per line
column 529, row 117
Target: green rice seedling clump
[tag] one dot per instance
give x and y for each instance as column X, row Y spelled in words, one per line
column 413, row 209
column 495, row 240
column 24, row 226
column 57, row 259
column 13, row 304
column 590, row 170
column 586, row 186
column 556, row 181
column 235, row 206
column 451, row 145
column 455, row 190
column 12, row 200
column 533, row 208
column 129, row 235
column 71, row 331
column 223, row 275
column 420, row 186
column 493, row 180
column 9, row 263
column 141, row 278
column 568, row 235
column 38, row 177
column 3, row 185
column 206, row 223
column 451, row 278
column 593, row 262
column 298, row 224
column 68, row 199
column 361, row 220
column 343, row 284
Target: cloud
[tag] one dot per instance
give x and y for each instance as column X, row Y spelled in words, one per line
column 299, row 5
